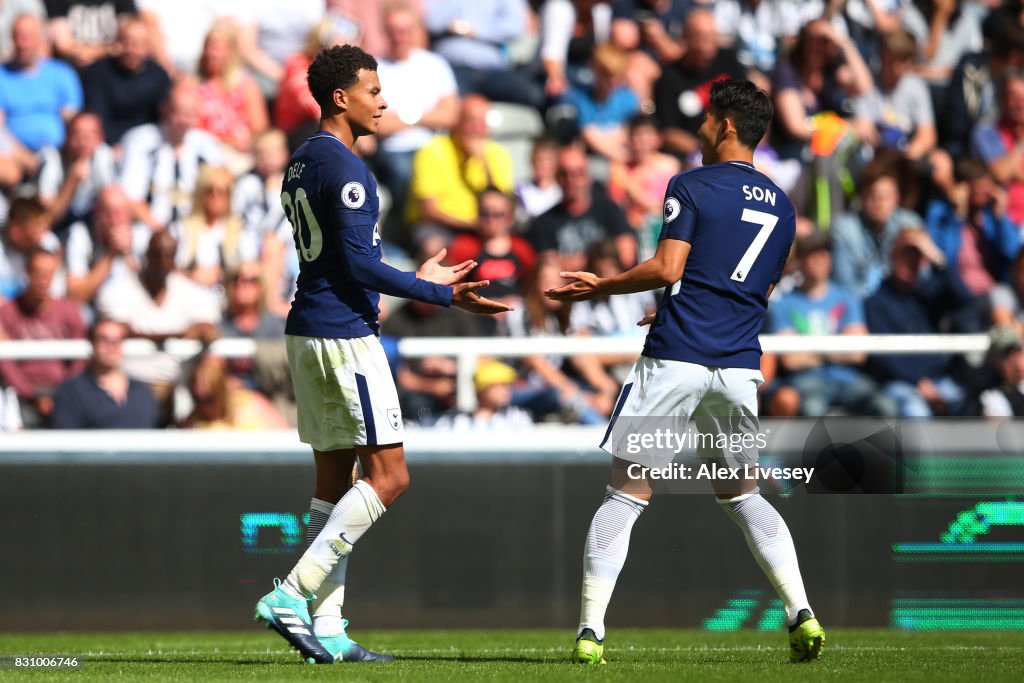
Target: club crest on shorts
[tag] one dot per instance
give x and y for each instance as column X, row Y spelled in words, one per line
column 394, row 418
column 353, row 195
column 671, row 209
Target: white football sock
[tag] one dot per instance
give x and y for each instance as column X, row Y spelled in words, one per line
column 769, row 540
column 354, row 514
column 605, row 554
column 326, row 608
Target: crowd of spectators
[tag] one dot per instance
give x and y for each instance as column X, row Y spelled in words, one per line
column 143, row 145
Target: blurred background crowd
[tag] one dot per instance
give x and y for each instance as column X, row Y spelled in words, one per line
column 143, row 145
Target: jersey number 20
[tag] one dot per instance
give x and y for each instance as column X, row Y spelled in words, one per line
column 767, row 222
column 297, row 212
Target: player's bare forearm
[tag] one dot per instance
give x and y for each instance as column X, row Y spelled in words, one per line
column 651, row 274
column 465, row 296
column 662, row 269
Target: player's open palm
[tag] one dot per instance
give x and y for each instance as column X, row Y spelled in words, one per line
column 465, row 296
column 433, row 271
column 583, row 287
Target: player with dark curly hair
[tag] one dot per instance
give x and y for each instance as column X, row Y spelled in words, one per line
column 347, row 402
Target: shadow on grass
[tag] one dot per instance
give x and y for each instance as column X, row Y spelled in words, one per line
column 298, row 662
column 195, row 662
column 467, row 659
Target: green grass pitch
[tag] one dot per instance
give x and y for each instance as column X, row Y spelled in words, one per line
column 538, row 655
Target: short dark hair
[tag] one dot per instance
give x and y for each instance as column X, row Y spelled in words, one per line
column 878, row 168
column 1009, row 39
column 336, row 68
column 105, row 320
column 748, row 106
column 642, row 121
column 25, row 209
column 544, row 143
column 970, row 168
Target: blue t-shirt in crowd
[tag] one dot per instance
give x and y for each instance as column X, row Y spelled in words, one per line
column 830, row 314
column 32, row 101
column 619, row 107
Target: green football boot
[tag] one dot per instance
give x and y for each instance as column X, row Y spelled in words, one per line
column 806, row 638
column 588, row 650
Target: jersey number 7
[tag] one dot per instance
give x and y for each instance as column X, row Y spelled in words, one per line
column 767, row 222
column 296, row 212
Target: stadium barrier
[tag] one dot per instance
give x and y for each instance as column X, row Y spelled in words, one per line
column 467, row 351
column 185, row 529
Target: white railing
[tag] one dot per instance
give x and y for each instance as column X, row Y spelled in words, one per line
column 468, row 350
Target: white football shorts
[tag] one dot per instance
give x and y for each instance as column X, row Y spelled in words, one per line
column 665, row 395
column 344, row 392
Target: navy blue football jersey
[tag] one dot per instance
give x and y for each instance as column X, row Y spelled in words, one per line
column 740, row 226
column 330, row 199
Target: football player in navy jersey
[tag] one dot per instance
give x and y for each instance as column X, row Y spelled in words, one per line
column 726, row 234
column 347, row 402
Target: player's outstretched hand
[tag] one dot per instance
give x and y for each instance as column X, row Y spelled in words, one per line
column 464, row 296
column 583, row 287
column 433, row 271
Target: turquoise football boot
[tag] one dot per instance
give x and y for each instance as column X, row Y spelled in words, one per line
column 289, row 616
column 344, row 649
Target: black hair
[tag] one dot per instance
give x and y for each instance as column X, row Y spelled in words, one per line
column 748, row 106
column 336, row 68
column 1009, row 38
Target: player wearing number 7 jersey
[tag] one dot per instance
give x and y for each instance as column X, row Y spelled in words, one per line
column 347, row 403
column 725, row 238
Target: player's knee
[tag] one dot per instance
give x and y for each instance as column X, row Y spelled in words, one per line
column 400, row 483
column 391, row 486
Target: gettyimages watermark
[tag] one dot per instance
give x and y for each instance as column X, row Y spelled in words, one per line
column 713, row 471
column 832, row 455
column 726, row 446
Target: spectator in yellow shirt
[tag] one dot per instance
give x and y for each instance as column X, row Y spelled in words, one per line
column 450, row 171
